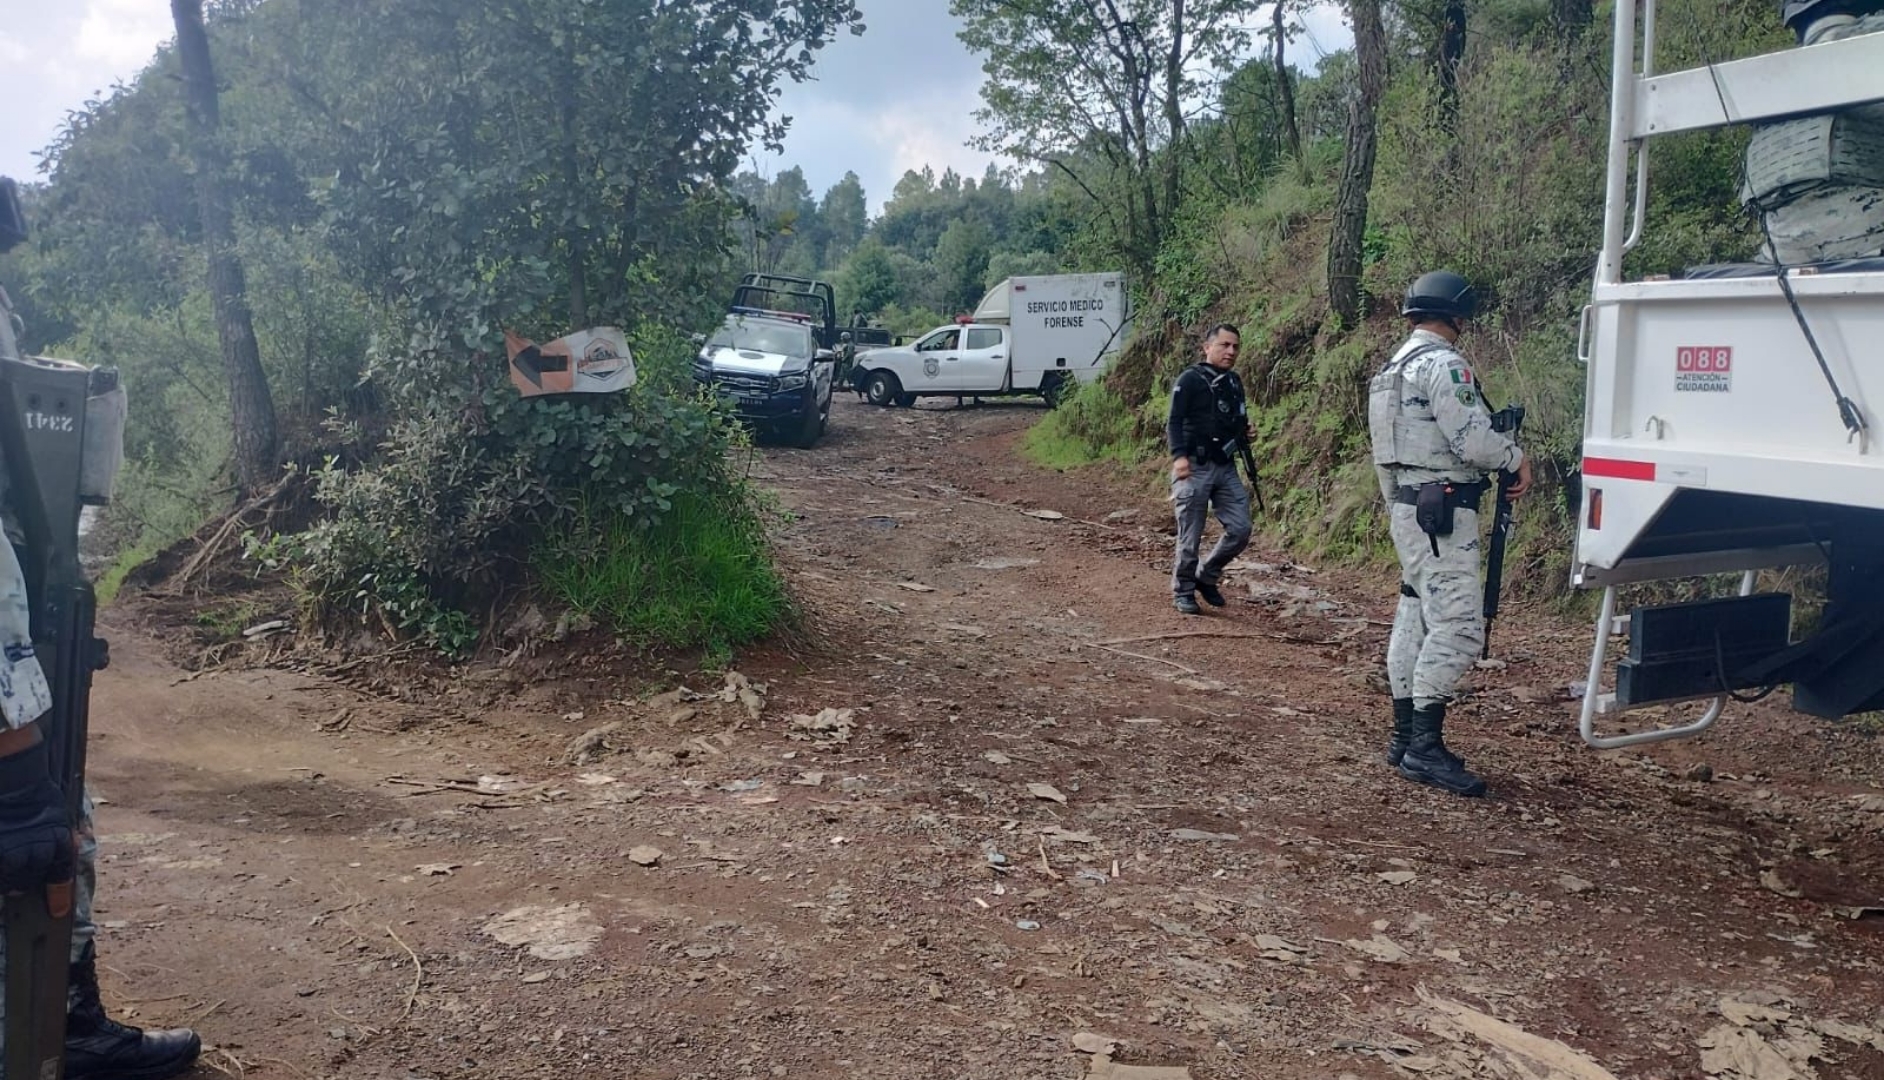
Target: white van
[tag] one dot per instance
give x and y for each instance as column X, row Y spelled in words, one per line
column 1029, row 335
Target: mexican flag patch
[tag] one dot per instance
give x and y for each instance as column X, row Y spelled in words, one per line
column 1462, row 376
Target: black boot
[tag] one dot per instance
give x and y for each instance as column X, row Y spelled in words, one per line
column 1427, row 760
column 1403, row 734
column 1402, row 729
column 99, row 1048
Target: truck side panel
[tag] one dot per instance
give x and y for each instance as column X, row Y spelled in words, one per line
column 1066, row 322
column 1710, row 386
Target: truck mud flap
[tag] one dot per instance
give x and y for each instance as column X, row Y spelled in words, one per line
column 1703, row 648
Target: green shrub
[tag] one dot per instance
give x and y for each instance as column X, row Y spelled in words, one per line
column 1092, row 423
column 444, row 524
column 698, row 576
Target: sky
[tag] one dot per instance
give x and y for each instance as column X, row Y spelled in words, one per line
column 899, row 97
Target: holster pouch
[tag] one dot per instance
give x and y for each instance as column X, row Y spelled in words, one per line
column 1432, row 511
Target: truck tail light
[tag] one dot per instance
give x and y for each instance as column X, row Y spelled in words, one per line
column 1595, row 502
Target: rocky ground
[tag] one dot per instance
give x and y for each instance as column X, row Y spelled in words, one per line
column 996, row 813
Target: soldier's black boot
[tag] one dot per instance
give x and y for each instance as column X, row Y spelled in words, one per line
column 1402, row 730
column 99, row 1048
column 1427, row 760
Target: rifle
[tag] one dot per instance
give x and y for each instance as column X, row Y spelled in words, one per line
column 1508, row 419
column 44, row 406
column 1249, row 467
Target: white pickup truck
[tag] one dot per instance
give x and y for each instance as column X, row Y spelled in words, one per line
column 1731, row 423
column 1029, row 335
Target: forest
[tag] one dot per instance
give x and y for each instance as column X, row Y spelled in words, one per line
column 303, row 230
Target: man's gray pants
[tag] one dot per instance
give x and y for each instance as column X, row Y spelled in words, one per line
column 1209, row 485
column 1437, row 635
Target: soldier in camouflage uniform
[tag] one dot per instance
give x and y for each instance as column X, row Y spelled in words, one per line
column 1818, row 181
column 1433, row 443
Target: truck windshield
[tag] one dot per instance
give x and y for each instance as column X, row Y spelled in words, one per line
column 763, row 337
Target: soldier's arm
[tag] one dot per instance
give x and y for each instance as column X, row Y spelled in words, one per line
column 1387, row 486
column 1452, row 388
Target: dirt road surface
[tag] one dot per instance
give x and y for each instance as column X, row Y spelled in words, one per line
column 1032, row 812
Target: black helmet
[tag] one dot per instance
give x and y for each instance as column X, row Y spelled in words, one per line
column 1441, row 294
column 1798, row 14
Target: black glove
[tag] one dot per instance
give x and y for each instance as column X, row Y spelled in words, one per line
column 35, row 832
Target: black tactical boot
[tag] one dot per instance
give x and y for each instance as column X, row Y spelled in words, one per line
column 1210, row 594
column 1186, row 605
column 1403, row 734
column 1427, row 760
column 1402, row 729
column 99, row 1048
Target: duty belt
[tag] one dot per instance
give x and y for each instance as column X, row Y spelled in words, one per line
column 1459, row 495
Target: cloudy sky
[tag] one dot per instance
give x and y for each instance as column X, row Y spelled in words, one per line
column 899, row 97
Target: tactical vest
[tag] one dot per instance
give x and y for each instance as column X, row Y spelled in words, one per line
column 1229, row 415
column 1792, row 158
column 1400, row 422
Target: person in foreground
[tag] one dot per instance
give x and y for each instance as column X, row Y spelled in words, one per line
column 1433, row 442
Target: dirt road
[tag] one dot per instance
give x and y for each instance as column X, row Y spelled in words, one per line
column 1025, row 817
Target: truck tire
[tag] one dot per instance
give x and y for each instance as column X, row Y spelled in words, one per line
column 811, row 427
column 884, row 388
column 1053, row 390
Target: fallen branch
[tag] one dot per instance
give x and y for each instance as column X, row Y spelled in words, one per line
column 418, row 974
column 1264, row 636
column 1044, row 864
column 1182, row 634
column 1153, row 659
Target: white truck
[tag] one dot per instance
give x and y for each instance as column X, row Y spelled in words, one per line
column 1029, row 335
column 1730, row 423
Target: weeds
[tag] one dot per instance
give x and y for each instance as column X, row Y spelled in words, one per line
column 699, row 577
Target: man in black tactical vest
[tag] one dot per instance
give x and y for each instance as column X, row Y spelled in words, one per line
column 1209, row 422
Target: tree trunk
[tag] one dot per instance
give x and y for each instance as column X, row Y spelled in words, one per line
column 1571, row 17
column 575, row 237
column 1174, row 109
column 1357, row 166
column 252, row 411
column 1285, row 88
column 1451, row 51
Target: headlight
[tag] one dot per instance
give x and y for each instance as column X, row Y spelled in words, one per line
column 791, row 382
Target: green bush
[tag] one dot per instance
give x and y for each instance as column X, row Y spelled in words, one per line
column 441, row 527
column 698, row 576
column 1092, row 423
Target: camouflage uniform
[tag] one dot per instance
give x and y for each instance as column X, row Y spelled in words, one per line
column 1818, row 180
column 1429, row 423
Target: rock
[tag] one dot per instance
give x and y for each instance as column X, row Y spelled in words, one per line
column 1045, row 515
column 1700, row 772
column 657, row 759
column 1055, row 832
column 915, row 586
column 591, row 745
column 1532, row 695
column 551, row 933
column 1047, row 792
column 1089, row 1043
column 1121, row 515
column 1199, row 834
column 809, row 779
column 830, row 725
column 1398, row 877
column 996, row 757
column 1380, row 947
column 1773, row 883
column 1571, row 883
column 645, row 855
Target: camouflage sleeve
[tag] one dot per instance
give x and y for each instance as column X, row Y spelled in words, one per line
column 24, row 692
column 1460, row 413
column 1385, row 476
